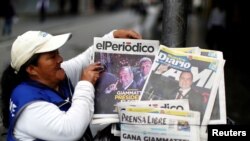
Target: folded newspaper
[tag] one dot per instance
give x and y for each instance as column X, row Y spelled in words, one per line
column 183, row 132
column 143, row 123
column 218, row 115
column 181, row 104
column 142, row 115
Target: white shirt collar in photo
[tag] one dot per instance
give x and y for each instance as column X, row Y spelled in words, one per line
column 185, row 91
column 128, row 85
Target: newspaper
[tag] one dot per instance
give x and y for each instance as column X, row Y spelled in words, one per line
column 192, row 50
column 120, row 80
column 131, row 132
column 164, row 82
column 159, row 123
column 141, row 112
column 181, row 104
column 218, row 115
column 106, row 120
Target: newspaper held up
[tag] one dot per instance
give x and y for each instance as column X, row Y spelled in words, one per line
column 123, row 77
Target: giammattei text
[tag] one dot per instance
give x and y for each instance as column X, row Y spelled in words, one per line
column 148, row 138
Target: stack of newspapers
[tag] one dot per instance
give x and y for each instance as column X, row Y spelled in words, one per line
column 182, row 93
column 151, row 123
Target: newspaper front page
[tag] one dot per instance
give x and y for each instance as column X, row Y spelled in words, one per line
column 218, row 115
column 125, row 112
column 159, row 123
column 181, row 104
column 177, row 75
column 192, row 50
column 131, row 132
column 123, row 77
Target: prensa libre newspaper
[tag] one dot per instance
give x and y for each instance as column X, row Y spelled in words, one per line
column 175, row 74
column 125, row 114
column 120, row 79
column 159, row 124
column 132, row 132
column 181, row 104
column 218, row 115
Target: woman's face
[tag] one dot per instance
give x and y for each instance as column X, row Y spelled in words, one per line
column 48, row 70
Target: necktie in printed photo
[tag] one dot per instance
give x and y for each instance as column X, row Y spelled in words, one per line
column 179, row 96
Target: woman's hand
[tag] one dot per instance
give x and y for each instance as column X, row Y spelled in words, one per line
column 92, row 72
column 123, row 33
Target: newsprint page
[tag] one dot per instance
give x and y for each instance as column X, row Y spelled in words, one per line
column 120, row 80
column 218, row 115
column 176, row 75
column 138, row 123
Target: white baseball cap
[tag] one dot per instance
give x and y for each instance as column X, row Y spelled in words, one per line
column 32, row 42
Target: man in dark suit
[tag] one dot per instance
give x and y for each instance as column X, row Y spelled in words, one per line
column 145, row 64
column 125, row 83
column 105, row 80
column 185, row 91
column 117, row 91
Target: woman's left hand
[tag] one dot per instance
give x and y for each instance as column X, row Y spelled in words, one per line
column 123, row 33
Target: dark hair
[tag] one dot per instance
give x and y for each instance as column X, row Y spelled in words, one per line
column 9, row 81
column 189, row 72
column 144, row 59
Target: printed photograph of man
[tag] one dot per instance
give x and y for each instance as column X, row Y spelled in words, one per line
column 185, row 91
column 145, row 64
column 125, row 82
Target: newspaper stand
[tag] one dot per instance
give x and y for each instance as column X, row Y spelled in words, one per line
column 207, row 68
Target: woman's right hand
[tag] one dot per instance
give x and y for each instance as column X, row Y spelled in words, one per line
column 127, row 34
column 92, row 72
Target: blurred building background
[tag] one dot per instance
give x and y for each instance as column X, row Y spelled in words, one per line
column 89, row 18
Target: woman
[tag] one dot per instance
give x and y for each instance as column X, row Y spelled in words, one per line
column 49, row 99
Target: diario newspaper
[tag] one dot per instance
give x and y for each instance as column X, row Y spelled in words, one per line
column 190, row 76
